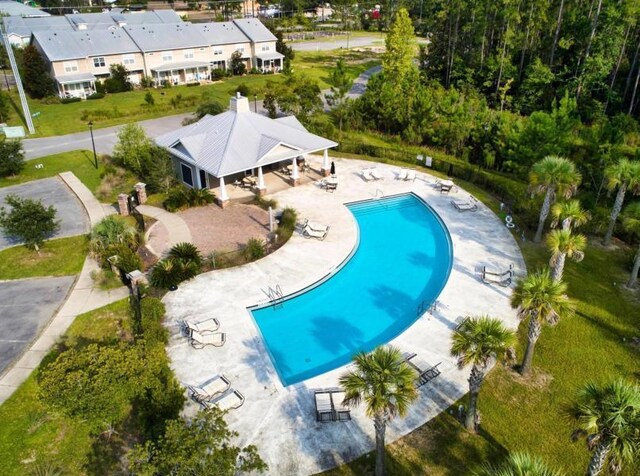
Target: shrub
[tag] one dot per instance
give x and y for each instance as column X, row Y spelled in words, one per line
column 186, row 252
column 218, row 74
column 255, row 71
column 171, row 272
column 288, row 219
column 28, row 220
column 146, row 82
column 148, row 98
column 182, row 196
column 127, row 260
column 11, row 158
column 111, row 232
column 153, row 312
column 197, row 197
column 195, row 83
column 255, row 249
column 265, row 203
column 96, row 96
column 69, row 100
column 243, row 89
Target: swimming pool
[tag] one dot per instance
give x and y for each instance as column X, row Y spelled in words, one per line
column 401, row 264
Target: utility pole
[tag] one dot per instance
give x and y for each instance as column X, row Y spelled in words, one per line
column 16, row 75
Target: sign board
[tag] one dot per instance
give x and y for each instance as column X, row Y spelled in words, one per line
column 13, row 132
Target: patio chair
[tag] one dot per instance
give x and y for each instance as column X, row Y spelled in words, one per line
column 324, row 406
column 229, row 401
column 210, row 390
column 464, row 206
column 315, row 226
column 366, row 175
column 216, row 339
column 425, row 371
column 429, row 374
column 203, row 327
column 445, row 187
column 460, row 320
column 402, row 175
column 411, row 175
column 309, row 232
column 340, row 412
column 502, row 278
column 331, row 186
column 375, row 173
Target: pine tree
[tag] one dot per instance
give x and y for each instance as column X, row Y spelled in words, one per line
column 36, row 79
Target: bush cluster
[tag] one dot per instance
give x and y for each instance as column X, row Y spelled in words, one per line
column 181, row 196
column 113, row 236
column 183, row 262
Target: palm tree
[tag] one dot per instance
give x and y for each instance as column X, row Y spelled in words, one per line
column 112, row 230
column 625, row 175
column 608, row 416
column 552, row 176
column 563, row 244
column 541, row 299
column 519, row 464
column 631, row 223
column 386, row 384
column 476, row 342
column 569, row 214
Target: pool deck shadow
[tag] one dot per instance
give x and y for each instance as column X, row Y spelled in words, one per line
column 280, row 420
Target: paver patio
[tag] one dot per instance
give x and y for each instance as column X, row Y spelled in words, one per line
column 280, row 420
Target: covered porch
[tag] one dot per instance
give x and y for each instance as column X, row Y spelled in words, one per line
column 78, row 85
column 267, row 62
column 181, row 73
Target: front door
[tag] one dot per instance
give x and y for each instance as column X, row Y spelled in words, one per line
column 203, row 179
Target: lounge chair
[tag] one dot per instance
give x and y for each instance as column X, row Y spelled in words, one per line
column 402, row 175
column 464, row 206
column 375, row 173
column 411, row 175
column 229, row 401
column 460, row 320
column 309, row 232
column 315, row 226
column 209, row 325
column 503, row 278
column 324, row 406
column 331, row 186
column 426, row 372
column 216, row 339
column 366, row 175
column 210, row 390
column 340, row 412
column 445, row 187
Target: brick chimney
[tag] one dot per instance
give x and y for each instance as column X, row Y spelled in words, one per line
column 239, row 104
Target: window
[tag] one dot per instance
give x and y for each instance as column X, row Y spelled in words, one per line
column 188, row 54
column 187, row 177
column 70, row 66
column 99, row 62
column 240, row 49
column 167, row 56
column 128, row 59
column 265, row 48
column 218, row 51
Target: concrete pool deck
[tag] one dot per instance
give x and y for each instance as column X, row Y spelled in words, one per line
column 279, row 420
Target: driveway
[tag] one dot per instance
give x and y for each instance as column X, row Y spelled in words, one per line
column 71, row 214
column 25, row 307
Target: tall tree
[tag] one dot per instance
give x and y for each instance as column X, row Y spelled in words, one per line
column 542, row 300
column 563, row 244
column 608, row 417
column 385, row 383
column 518, row 464
column 624, row 175
column 476, row 342
column 569, row 214
column 28, row 221
column 35, row 74
column 631, row 224
column 397, row 61
column 552, row 176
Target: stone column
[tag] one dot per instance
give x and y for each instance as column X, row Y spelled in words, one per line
column 295, row 176
column 141, row 192
column 223, row 199
column 262, row 189
column 123, row 205
column 326, row 167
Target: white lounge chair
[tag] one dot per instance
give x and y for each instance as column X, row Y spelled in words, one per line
column 208, row 325
column 402, row 175
column 210, row 390
column 216, row 339
column 375, row 173
column 411, row 175
column 324, row 409
column 229, row 401
column 315, row 226
column 309, row 232
column 341, row 412
column 366, row 175
column 464, row 206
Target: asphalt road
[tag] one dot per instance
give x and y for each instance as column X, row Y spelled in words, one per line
column 25, row 307
column 52, row 191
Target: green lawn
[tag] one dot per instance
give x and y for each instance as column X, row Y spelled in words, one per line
column 60, row 257
column 31, row 436
column 318, row 65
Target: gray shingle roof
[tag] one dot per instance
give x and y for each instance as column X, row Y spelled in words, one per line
column 65, row 45
column 222, row 33
column 232, row 142
column 255, row 30
column 166, row 36
column 19, row 10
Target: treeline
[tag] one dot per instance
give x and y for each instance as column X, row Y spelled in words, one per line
column 521, row 54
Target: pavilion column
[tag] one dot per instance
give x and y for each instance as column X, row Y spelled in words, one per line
column 326, row 168
column 295, row 176
column 223, row 199
column 262, row 189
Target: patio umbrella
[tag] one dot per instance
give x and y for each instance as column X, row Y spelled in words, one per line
column 333, row 168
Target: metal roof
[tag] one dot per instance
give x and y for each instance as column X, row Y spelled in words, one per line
column 232, row 142
column 75, row 78
column 23, row 27
column 222, row 33
column 255, row 30
column 166, row 36
column 64, row 45
column 269, row 56
column 15, row 9
column 183, row 65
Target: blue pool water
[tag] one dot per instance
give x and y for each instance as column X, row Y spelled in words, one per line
column 402, row 263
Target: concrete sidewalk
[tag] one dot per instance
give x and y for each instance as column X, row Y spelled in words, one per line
column 178, row 230
column 96, row 210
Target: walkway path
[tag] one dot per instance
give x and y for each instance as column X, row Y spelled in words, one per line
column 84, row 297
column 177, row 228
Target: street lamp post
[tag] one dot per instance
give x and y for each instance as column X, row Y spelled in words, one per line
column 255, row 103
column 93, row 144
